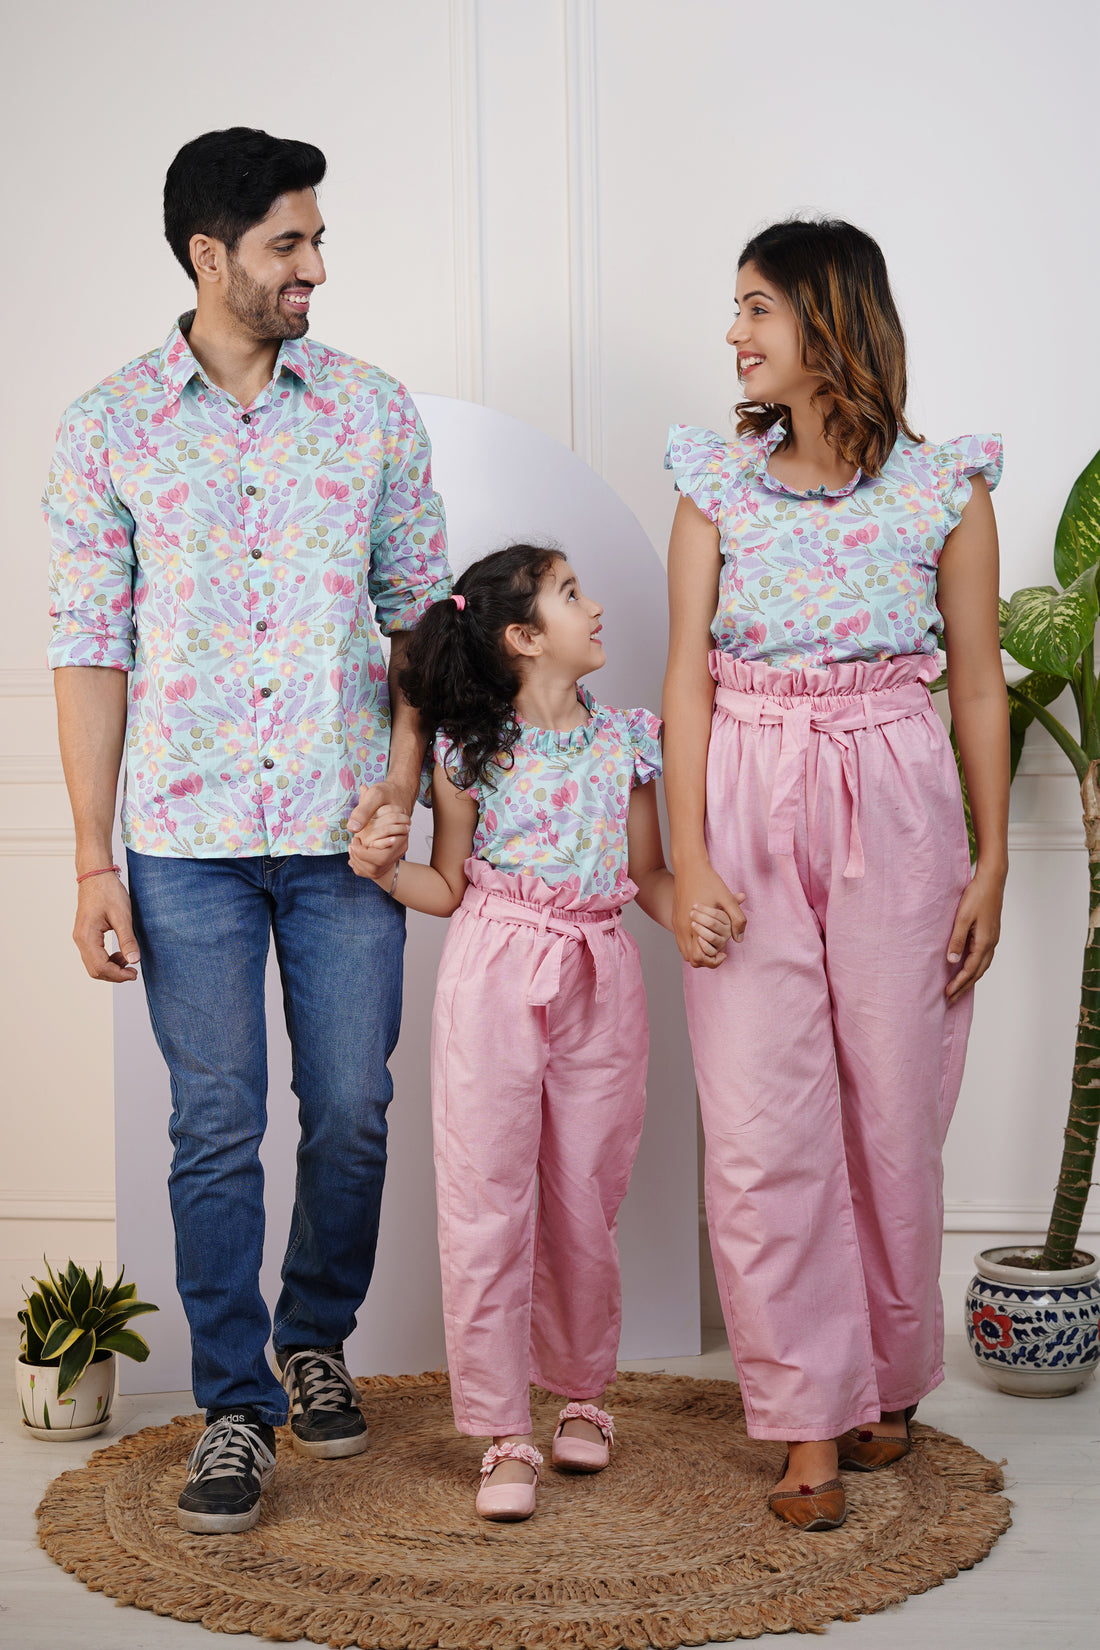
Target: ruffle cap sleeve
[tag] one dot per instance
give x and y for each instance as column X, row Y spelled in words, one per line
column 443, row 752
column 966, row 456
column 645, row 741
column 705, row 466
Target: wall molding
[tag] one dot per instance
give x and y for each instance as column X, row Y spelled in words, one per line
column 466, row 202
column 988, row 1219
column 1045, row 836
column 582, row 127
column 49, row 841
column 23, row 1203
column 26, row 684
column 31, row 770
column 995, row 1217
column 1045, row 760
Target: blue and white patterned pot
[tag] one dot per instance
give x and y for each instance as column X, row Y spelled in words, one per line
column 1034, row 1333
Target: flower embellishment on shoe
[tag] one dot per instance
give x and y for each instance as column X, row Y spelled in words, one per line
column 583, row 1454
column 507, row 1503
column 862, row 1450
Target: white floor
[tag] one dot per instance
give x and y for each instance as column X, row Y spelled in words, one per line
column 1038, row 1588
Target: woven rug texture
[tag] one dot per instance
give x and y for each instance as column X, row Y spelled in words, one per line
column 672, row 1545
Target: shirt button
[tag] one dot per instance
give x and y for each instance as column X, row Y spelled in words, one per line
column 265, row 693
column 246, row 418
column 262, row 625
column 250, row 491
column 256, row 554
column 268, row 763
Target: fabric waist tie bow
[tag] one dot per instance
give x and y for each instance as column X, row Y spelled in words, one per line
column 834, row 716
column 593, row 929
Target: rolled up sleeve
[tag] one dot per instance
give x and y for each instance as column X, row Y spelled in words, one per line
column 92, row 556
column 409, row 569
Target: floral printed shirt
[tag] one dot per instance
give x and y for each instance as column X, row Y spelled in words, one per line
column 229, row 557
column 559, row 812
column 817, row 577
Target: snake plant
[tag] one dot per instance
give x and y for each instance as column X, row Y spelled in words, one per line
column 1053, row 632
column 72, row 1318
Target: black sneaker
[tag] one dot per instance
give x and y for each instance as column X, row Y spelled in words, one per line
column 325, row 1418
column 226, row 1471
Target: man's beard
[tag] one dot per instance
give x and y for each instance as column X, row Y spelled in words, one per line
column 256, row 308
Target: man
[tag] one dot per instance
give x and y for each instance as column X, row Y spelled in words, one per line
column 225, row 513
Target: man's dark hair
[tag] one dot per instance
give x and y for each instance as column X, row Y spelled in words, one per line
column 221, row 183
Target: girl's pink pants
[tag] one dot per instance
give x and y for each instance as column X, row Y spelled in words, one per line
column 539, row 1050
column 827, row 1057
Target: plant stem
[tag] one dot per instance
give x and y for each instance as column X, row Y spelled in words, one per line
column 1079, row 1153
column 1058, row 733
column 1088, row 701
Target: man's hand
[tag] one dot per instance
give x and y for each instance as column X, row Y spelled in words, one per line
column 387, row 794
column 103, row 907
column 380, row 844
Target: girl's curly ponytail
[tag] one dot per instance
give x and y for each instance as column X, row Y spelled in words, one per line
column 458, row 673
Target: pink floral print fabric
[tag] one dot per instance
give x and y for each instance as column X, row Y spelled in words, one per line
column 240, row 564
column 559, row 812
column 820, row 577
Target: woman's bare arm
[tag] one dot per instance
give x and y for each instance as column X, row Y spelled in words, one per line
column 967, row 589
column 694, row 564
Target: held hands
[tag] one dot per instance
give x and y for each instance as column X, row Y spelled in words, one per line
column 712, row 929
column 705, row 916
column 378, row 846
column 375, row 799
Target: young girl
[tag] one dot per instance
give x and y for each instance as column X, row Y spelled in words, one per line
column 545, row 825
column 816, row 561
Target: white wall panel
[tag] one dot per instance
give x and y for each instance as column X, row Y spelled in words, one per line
column 541, row 206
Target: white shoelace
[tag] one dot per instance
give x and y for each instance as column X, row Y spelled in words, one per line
column 230, row 1449
column 318, row 1380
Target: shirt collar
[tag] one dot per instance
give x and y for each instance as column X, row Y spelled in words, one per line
column 177, row 365
column 769, row 441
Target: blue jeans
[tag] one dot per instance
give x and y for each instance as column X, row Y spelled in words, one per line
column 204, row 927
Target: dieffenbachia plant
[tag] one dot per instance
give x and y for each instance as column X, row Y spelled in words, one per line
column 1053, row 632
column 70, row 1318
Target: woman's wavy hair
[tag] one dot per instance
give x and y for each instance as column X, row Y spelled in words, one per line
column 458, row 673
column 834, row 278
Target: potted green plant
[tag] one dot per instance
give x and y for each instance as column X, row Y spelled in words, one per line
column 73, row 1326
column 1032, row 1313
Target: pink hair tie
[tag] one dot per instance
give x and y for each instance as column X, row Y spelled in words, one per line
column 459, row 601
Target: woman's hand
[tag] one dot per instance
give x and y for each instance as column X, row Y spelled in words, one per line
column 712, row 929
column 977, row 930
column 699, row 888
column 380, row 844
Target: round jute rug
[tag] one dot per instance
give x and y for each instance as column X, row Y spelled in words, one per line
column 672, row 1545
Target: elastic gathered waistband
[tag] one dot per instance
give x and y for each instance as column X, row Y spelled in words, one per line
column 833, row 716
column 510, row 907
column 839, row 681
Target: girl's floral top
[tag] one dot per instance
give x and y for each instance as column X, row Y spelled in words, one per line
column 560, row 810
column 814, row 578
column 240, row 562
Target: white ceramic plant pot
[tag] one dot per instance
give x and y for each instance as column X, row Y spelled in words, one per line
column 84, row 1409
column 1034, row 1333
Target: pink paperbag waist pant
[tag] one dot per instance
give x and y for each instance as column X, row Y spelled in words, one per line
column 539, row 1049
column 827, row 1057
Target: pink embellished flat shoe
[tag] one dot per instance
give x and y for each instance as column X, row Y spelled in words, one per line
column 507, row 1503
column 580, row 1454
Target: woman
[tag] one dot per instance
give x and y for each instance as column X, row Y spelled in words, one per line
column 816, row 563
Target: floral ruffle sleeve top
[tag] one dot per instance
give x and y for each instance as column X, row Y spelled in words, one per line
column 815, row 578
column 560, row 811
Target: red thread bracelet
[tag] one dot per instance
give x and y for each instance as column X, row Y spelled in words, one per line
column 102, row 872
